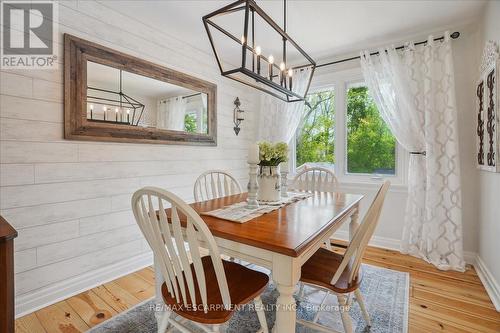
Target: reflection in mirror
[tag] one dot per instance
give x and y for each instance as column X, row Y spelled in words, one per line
column 124, row 98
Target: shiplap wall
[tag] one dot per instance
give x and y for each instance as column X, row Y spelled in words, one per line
column 70, row 200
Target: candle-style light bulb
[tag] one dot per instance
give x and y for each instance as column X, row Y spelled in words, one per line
column 116, row 114
column 91, row 111
column 104, row 112
column 128, row 116
column 282, row 73
column 270, row 59
column 258, row 51
column 290, row 74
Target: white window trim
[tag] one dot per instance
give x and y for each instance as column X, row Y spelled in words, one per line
column 339, row 81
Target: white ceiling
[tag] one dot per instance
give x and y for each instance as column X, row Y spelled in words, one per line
column 321, row 28
column 138, row 86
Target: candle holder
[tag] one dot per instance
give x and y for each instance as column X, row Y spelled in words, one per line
column 284, row 183
column 253, row 186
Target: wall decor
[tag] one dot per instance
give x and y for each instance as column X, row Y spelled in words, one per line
column 488, row 111
column 237, row 116
column 112, row 96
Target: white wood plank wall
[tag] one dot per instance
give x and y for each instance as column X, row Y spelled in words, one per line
column 70, row 200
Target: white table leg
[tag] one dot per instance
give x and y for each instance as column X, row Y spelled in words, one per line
column 286, row 274
column 354, row 224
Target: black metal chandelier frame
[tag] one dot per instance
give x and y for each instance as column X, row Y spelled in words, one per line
column 123, row 101
column 250, row 7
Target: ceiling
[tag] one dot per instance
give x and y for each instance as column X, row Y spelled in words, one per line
column 137, row 86
column 322, row 28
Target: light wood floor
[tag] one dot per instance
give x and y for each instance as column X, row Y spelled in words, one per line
column 439, row 301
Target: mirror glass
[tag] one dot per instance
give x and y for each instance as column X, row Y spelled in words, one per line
column 124, row 98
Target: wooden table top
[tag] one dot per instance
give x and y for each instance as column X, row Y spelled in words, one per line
column 288, row 230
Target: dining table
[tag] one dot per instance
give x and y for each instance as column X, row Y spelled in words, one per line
column 281, row 240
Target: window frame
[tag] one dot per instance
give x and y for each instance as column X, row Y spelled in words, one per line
column 339, row 83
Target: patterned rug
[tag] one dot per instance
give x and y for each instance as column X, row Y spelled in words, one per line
column 385, row 291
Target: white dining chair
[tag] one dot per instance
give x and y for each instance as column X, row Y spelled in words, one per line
column 214, row 184
column 316, row 179
column 342, row 274
column 202, row 289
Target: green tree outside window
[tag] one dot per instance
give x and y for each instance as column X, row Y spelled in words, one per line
column 315, row 138
column 371, row 147
column 190, row 123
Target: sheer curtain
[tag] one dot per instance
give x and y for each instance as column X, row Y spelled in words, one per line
column 171, row 113
column 415, row 93
column 203, row 118
column 278, row 119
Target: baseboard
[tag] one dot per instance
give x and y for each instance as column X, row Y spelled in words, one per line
column 395, row 244
column 470, row 258
column 490, row 284
column 376, row 241
column 59, row 291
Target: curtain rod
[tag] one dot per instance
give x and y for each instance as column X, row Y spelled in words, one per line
column 184, row 97
column 454, row 35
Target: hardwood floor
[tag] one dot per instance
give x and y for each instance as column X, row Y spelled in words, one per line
column 439, row 301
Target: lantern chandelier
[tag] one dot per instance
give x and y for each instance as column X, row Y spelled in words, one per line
column 109, row 99
column 276, row 74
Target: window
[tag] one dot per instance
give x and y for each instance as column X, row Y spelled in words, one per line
column 371, row 147
column 315, row 140
column 343, row 131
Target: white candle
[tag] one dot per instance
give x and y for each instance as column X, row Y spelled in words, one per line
column 253, row 154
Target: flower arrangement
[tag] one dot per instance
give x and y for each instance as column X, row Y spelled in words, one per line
column 272, row 154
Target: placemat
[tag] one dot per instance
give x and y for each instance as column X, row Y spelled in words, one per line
column 240, row 213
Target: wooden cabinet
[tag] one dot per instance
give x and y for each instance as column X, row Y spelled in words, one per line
column 7, row 235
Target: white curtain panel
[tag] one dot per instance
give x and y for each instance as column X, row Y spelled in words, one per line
column 415, row 93
column 203, row 111
column 171, row 113
column 204, row 101
column 278, row 120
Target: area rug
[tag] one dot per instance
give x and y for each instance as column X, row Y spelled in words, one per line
column 385, row 291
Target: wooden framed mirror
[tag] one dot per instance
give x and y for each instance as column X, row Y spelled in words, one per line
column 112, row 96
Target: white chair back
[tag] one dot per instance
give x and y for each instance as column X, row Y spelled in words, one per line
column 214, row 184
column 315, row 179
column 148, row 205
column 356, row 248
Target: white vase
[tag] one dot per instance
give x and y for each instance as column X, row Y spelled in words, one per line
column 269, row 184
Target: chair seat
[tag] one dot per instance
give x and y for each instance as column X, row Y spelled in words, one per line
column 322, row 266
column 244, row 285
